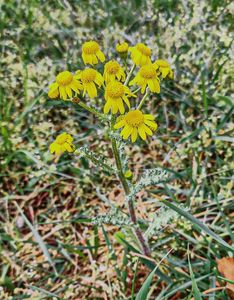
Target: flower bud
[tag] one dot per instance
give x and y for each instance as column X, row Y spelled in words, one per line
column 128, row 175
column 122, row 50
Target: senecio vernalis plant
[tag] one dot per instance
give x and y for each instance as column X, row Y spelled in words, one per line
column 122, row 111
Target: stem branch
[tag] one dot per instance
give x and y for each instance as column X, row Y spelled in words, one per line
column 129, row 75
column 131, row 209
column 143, row 99
column 90, row 109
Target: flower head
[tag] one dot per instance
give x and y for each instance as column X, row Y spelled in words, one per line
column 62, row 143
column 112, row 71
column 147, row 76
column 115, row 94
column 134, row 123
column 89, row 77
column 164, row 68
column 140, row 54
column 64, row 85
column 91, row 53
column 121, row 48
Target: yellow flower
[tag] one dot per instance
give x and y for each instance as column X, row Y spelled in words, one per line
column 134, row 123
column 147, row 76
column 89, row 77
column 113, row 70
column 115, row 94
column 91, row 53
column 164, row 68
column 140, row 54
column 64, row 85
column 122, row 47
column 62, row 143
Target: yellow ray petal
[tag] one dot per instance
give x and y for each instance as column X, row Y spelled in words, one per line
column 151, row 124
column 141, row 132
column 119, row 124
column 134, row 135
column 147, row 130
column 107, row 107
column 149, row 117
column 68, row 91
column 62, row 92
column 101, row 56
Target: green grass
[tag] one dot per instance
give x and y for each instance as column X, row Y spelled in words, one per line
column 48, row 245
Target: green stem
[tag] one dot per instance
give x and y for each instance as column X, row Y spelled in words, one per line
column 129, row 75
column 119, row 167
column 143, row 99
column 126, row 188
column 137, row 90
column 86, row 107
column 90, row 109
column 97, row 162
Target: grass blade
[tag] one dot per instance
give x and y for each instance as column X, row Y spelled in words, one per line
column 134, row 281
column 196, row 293
column 37, row 238
column 120, row 238
column 204, row 96
column 182, row 287
column 142, row 294
column 226, row 279
column 49, row 294
column 199, row 224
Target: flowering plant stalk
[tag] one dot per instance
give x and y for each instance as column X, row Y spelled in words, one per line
column 121, row 109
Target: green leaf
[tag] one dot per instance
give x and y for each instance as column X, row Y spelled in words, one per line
column 199, row 224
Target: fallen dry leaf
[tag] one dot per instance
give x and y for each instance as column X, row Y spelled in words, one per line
column 226, row 268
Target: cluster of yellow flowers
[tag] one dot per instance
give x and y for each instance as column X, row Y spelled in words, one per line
column 116, row 87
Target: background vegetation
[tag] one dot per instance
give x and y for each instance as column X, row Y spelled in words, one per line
column 60, row 197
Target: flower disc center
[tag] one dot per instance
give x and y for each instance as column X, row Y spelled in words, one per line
column 64, row 78
column 112, row 67
column 115, row 89
column 134, row 118
column 144, row 49
column 90, row 47
column 88, row 75
column 147, row 72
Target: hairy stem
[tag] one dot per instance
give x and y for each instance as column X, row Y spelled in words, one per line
column 86, row 107
column 121, row 176
column 143, row 99
column 131, row 209
column 129, row 75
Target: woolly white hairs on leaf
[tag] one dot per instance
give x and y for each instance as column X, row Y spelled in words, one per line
column 114, row 217
column 149, row 178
